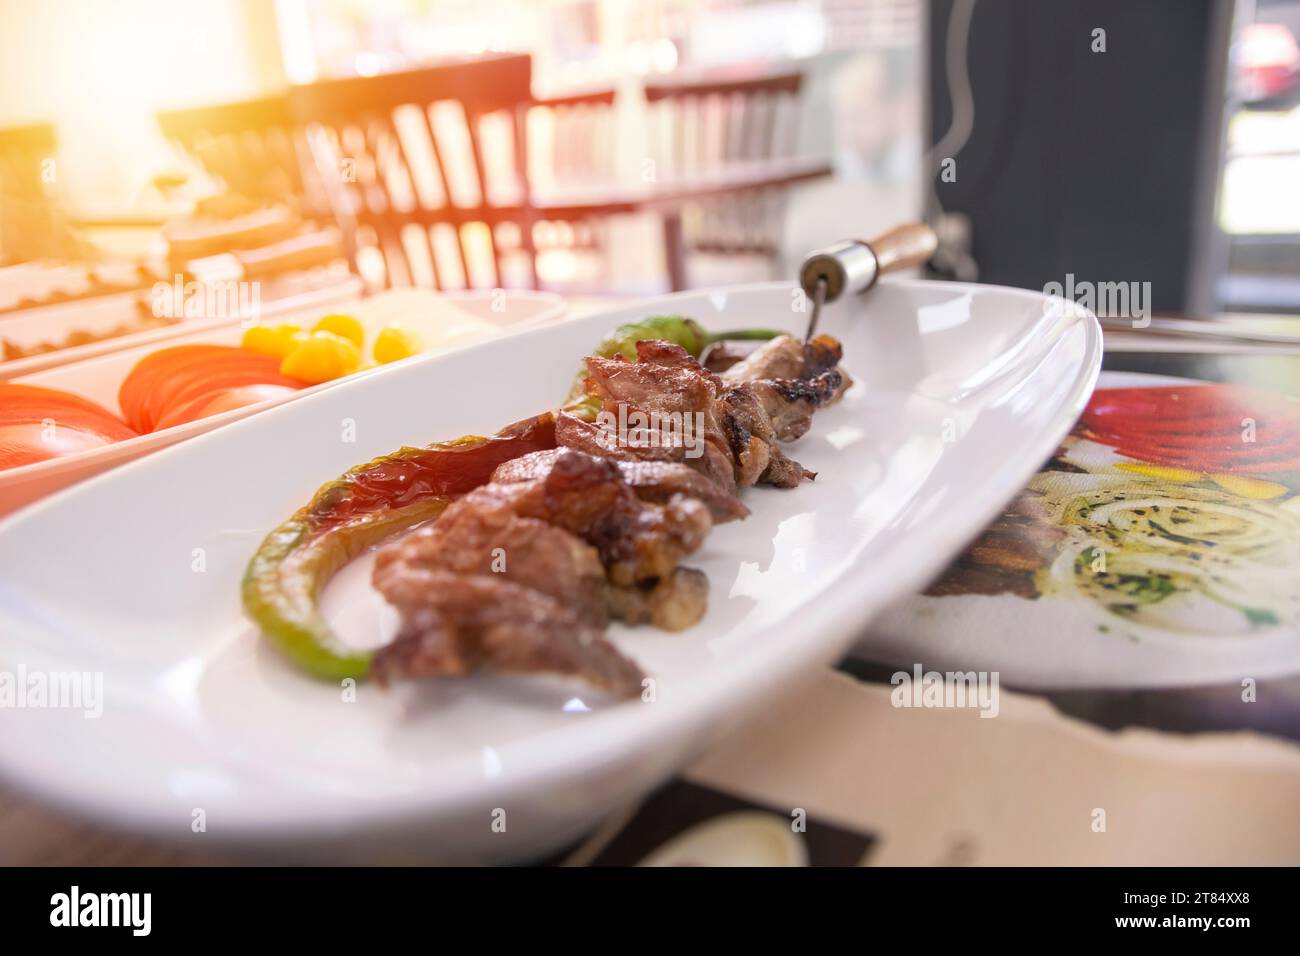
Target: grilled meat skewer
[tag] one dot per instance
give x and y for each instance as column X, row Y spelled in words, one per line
column 523, row 573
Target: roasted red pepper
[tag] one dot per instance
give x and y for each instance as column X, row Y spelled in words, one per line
column 358, row 509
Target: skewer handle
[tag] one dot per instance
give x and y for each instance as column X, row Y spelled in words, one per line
column 904, row 247
column 854, row 265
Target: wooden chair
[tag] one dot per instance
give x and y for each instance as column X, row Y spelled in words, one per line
column 736, row 128
column 434, row 169
column 253, row 146
column 32, row 223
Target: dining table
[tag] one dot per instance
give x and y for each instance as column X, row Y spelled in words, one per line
column 1186, row 774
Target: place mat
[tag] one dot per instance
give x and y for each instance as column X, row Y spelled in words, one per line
column 944, row 786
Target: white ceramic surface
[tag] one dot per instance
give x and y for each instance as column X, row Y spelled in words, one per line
column 99, row 379
column 200, row 714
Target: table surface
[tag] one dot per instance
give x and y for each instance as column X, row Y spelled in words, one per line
column 32, row 835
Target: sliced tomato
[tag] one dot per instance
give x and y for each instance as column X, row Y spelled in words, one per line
column 31, row 403
column 141, row 380
column 23, row 443
column 168, row 381
column 221, row 400
column 173, row 376
column 219, row 377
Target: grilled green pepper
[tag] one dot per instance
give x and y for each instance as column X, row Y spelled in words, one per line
column 283, row 581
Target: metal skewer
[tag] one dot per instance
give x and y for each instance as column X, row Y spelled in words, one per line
column 818, row 297
column 854, row 265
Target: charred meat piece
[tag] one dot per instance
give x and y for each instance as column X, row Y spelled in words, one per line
column 456, row 623
column 587, row 496
column 740, row 419
column 666, row 384
column 572, row 432
column 482, row 534
column 653, row 480
column 787, row 357
column 522, row 573
column 789, row 403
column 821, row 354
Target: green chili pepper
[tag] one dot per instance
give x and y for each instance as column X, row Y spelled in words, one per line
column 284, row 579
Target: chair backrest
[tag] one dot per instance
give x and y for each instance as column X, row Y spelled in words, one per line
column 253, row 146
column 432, row 165
column 701, row 120
column 571, row 141
column 32, row 225
column 427, row 171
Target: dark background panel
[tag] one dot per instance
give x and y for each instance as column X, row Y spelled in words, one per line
column 1080, row 162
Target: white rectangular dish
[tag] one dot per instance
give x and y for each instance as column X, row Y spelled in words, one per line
column 293, row 294
column 961, row 392
column 98, row 379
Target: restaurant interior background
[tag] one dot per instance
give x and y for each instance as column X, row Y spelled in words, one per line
column 320, row 151
column 646, row 123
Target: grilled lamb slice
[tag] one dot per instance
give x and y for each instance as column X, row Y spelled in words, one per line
column 588, row 497
column 789, row 403
column 787, row 357
column 660, row 482
column 653, row 480
column 665, row 380
column 521, row 574
column 456, row 623
column 572, row 432
column 481, row 534
column 751, row 431
column 784, row 472
column 781, row 357
column 742, row 419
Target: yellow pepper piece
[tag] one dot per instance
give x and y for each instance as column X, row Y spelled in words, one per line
column 322, row 357
column 1246, row 487
column 274, row 340
column 345, row 326
column 1163, row 472
column 394, row 343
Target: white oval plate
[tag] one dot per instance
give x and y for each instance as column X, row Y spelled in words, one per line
column 962, row 392
column 1056, row 642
